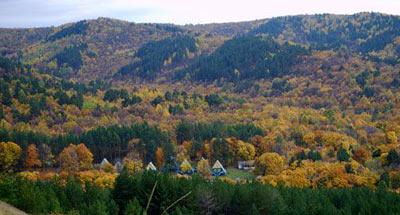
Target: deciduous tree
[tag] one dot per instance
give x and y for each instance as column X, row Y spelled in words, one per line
column 85, row 156
column 270, row 164
column 9, row 155
column 159, row 157
column 32, row 157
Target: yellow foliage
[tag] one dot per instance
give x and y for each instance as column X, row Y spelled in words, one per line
column 133, row 166
column 9, row 155
column 185, row 166
column 85, row 156
column 32, row 176
column 203, row 168
column 323, row 174
column 391, row 137
column 246, row 151
column 105, row 180
column 270, row 164
column 108, row 167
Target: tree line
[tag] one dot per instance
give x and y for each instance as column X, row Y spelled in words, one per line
column 155, row 193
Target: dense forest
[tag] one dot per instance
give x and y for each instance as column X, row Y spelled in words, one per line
column 288, row 115
column 152, row 193
column 246, row 57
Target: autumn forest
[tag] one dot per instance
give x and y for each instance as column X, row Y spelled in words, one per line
column 287, row 115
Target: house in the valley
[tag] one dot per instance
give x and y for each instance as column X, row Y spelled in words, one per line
column 218, row 170
column 186, row 168
column 246, row 165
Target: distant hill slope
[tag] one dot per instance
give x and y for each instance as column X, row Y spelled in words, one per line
column 362, row 32
column 98, row 49
column 6, row 209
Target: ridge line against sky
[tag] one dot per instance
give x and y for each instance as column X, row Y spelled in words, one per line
column 42, row 13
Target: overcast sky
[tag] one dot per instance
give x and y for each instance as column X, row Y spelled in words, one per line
column 35, row 13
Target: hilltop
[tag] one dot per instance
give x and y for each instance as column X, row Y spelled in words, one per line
column 96, row 49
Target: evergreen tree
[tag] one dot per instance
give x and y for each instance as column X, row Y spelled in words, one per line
column 1, row 112
column 393, row 157
column 342, row 155
column 134, row 208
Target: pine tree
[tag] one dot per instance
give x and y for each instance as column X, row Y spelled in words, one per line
column 134, row 208
column 343, row 155
column 253, row 210
column 1, row 112
column 393, row 157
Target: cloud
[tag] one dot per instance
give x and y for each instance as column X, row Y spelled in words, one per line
column 28, row 13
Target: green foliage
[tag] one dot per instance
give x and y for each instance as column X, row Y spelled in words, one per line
column 214, row 100
column 330, row 35
column 393, row 157
column 342, row 155
column 176, row 109
column 63, row 98
column 70, row 56
column 154, row 54
column 314, row 155
column 52, row 197
column 114, row 94
column 131, row 101
column 104, row 142
column 201, row 131
column 246, row 57
column 77, row 28
column 157, row 100
column 280, row 86
column 131, row 194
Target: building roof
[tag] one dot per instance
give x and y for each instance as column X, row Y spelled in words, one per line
column 104, row 162
column 218, row 165
column 151, row 166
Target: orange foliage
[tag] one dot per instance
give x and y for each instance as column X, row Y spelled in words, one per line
column 32, row 157
column 159, row 157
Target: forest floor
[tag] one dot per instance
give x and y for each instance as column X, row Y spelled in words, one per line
column 6, row 209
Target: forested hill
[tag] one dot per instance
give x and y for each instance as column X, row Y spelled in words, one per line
column 313, row 100
column 106, row 48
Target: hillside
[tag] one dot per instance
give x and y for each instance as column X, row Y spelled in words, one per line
column 311, row 101
column 101, row 47
column 6, row 209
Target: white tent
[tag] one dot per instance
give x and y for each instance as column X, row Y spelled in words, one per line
column 104, row 162
column 151, row 166
column 218, row 169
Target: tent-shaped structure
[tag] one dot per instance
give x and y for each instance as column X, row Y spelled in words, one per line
column 105, row 163
column 218, row 169
column 186, row 168
column 151, row 167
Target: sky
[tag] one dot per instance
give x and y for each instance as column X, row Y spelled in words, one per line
column 39, row 13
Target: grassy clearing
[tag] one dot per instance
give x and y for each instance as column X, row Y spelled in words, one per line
column 234, row 173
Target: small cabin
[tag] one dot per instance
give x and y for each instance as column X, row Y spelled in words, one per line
column 151, row 167
column 218, row 169
column 246, row 165
column 118, row 166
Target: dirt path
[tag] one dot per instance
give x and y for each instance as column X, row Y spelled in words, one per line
column 6, row 209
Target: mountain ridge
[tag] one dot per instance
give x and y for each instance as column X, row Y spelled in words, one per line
column 107, row 44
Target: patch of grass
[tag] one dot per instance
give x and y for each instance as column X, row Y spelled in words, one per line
column 234, row 173
column 89, row 105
